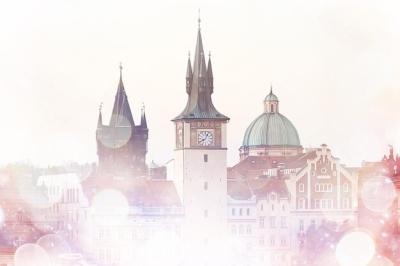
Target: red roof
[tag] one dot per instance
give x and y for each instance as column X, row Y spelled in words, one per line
column 139, row 191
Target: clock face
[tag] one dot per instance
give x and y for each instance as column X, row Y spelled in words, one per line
column 205, row 138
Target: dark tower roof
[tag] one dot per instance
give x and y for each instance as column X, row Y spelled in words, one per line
column 121, row 114
column 199, row 88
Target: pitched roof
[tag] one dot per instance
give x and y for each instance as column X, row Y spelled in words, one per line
column 261, row 188
column 141, row 192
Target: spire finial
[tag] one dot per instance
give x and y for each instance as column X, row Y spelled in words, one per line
column 120, row 68
column 270, row 88
column 209, row 54
column 143, row 107
column 100, row 107
column 199, row 19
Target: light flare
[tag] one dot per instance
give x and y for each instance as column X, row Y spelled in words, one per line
column 356, row 248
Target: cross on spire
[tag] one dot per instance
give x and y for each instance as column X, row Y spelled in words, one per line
column 199, row 19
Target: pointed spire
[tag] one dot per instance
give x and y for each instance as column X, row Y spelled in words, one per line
column 199, row 104
column 189, row 75
column 143, row 120
column 270, row 90
column 121, row 114
column 100, row 119
column 210, row 74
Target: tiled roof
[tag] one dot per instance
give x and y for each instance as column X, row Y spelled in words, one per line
column 139, row 191
column 262, row 187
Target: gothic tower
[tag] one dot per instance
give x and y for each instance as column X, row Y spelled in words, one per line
column 122, row 145
column 200, row 156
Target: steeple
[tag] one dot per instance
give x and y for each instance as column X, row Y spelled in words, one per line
column 199, row 104
column 100, row 119
column 143, row 120
column 210, row 74
column 121, row 114
column 189, row 75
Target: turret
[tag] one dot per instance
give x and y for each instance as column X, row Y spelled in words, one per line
column 189, row 75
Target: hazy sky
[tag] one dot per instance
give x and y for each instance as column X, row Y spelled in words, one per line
column 335, row 66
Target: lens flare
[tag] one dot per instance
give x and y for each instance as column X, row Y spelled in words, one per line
column 109, row 207
column 31, row 255
column 378, row 194
column 115, row 137
column 54, row 245
column 355, row 249
column 380, row 261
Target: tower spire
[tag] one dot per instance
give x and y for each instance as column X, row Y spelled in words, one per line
column 189, row 75
column 143, row 120
column 210, row 74
column 121, row 114
column 100, row 119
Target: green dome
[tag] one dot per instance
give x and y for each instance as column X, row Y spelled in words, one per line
column 271, row 129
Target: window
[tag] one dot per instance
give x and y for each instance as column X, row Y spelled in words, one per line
column 283, row 207
column 301, row 225
column 283, row 222
column 273, row 196
column 272, row 241
column 272, row 221
column 262, row 207
column 233, row 211
column 262, row 222
column 240, row 212
column 321, row 187
column 248, row 229
column 346, row 187
column 248, row 212
column 241, row 229
column 346, row 203
column 323, row 170
column 301, row 203
column 233, row 229
column 205, row 157
column 272, row 207
column 205, row 213
column 316, row 204
column 283, row 241
column 301, row 187
column 205, row 185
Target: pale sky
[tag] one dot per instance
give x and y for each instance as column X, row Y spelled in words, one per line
column 335, row 66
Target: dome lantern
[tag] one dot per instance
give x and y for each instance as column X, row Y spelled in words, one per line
column 271, row 103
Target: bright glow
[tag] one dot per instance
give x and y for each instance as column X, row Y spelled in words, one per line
column 31, row 255
column 355, row 249
column 378, row 194
column 120, row 135
column 380, row 261
column 2, row 217
column 109, row 207
column 54, row 245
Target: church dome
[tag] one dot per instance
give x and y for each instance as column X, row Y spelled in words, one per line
column 271, row 129
column 271, row 133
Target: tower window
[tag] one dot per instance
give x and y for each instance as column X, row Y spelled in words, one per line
column 205, row 213
column 205, row 157
column 205, row 185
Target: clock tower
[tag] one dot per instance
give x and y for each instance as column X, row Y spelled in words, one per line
column 200, row 156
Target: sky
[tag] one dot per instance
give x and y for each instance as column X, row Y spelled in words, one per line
column 333, row 64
